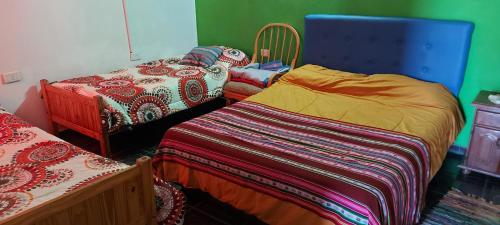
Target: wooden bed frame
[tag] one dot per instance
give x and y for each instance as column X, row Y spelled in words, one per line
column 124, row 198
column 76, row 112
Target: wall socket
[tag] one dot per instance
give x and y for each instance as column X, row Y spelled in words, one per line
column 11, row 77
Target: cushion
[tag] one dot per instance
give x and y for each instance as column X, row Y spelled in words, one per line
column 202, row 56
column 234, row 57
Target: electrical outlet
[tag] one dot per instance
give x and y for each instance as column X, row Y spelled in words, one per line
column 134, row 56
column 11, row 77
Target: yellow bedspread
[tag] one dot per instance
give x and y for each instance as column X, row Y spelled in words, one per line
column 386, row 101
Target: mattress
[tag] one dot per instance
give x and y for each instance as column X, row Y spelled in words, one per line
column 319, row 147
column 150, row 91
column 36, row 167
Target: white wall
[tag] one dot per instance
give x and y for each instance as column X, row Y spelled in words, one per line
column 59, row 39
column 161, row 27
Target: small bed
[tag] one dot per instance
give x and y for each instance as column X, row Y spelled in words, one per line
column 322, row 146
column 44, row 180
column 103, row 104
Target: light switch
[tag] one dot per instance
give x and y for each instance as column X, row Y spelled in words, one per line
column 11, row 77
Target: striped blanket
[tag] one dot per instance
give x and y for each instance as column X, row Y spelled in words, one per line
column 346, row 173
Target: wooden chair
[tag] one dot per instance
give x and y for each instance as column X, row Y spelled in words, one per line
column 275, row 41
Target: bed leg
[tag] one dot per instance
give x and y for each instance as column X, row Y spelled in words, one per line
column 54, row 128
column 104, row 145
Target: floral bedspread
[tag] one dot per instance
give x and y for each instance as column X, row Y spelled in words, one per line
column 150, row 91
column 36, row 167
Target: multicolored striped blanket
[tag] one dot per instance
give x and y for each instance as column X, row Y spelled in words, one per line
column 346, row 173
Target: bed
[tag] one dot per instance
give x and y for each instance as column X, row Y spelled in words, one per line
column 103, row 104
column 325, row 146
column 44, row 180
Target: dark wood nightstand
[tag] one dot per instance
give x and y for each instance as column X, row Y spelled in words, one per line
column 483, row 155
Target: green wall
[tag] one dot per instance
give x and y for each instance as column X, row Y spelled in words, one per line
column 235, row 22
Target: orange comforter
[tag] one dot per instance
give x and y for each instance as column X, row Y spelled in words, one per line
column 386, row 101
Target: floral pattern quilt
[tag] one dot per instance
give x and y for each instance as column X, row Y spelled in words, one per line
column 36, row 167
column 150, row 91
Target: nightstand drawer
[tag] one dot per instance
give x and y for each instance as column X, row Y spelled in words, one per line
column 488, row 119
column 484, row 152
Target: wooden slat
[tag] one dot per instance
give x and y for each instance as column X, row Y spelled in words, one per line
column 283, row 44
column 289, row 50
column 263, row 46
column 270, row 44
column 76, row 127
column 92, row 204
column 277, row 42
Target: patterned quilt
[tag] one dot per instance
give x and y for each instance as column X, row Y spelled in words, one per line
column 36, row 167
column 346, row 173
column 150, row 91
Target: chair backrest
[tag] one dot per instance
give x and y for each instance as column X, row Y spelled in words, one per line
column 277, row 41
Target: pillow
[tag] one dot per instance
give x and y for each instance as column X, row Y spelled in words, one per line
column 234, row 57
column 202, row 56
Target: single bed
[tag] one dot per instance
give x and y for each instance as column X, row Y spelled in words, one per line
column 44, row 180
column 323, row 146
column 103, row 104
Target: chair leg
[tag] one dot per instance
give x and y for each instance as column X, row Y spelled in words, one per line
column 104, row 145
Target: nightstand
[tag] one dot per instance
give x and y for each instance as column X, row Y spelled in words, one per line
column 483, row 155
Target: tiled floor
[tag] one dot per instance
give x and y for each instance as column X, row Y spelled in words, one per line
column 205, row 210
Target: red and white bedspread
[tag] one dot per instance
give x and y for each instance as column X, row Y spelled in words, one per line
column 150, row 91
column 348, row 174
column 36, row 167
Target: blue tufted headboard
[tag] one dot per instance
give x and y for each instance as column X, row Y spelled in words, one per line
column 429, row 50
